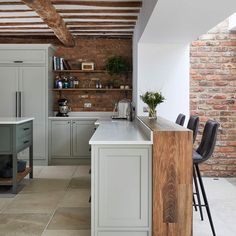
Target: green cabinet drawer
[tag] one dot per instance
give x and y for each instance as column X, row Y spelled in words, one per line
column 23, row 142
column 23, row 130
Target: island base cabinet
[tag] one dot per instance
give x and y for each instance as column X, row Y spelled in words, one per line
column 121, row 190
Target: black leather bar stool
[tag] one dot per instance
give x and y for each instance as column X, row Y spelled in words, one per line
column 193, row 125
column 180, row 119
column 202, row 154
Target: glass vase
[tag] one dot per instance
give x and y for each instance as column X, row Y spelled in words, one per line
column 152, row 113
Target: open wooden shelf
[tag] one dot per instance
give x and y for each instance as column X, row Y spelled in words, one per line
column 82, row 71
column 20, row 176
column 91, row 89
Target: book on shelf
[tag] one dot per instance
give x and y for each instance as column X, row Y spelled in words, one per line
column 66, row 65
column 60, row 63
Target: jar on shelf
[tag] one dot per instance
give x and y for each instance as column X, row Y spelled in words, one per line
column 65, row 82
column 76, row 84
column 71, row 82
column 58, row 82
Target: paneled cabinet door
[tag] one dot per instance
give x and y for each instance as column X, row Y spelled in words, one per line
column 32, row 85
column 122, row 175
column 60, row 138
column 8, row 89
column 82, row 131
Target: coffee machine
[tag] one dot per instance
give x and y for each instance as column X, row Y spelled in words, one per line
column 63, row 108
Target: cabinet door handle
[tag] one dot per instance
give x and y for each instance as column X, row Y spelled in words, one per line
column 26, row 128
column 68, row 122
column 95, row 128
column 18, row 61
column 26, row 141
column 90, row 149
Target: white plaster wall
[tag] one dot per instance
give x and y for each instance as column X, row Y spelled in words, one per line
column 164, row 68
column 232, row 22
column 144, row 16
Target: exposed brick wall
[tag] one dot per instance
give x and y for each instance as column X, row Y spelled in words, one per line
column 213, row 94
column 97, row 50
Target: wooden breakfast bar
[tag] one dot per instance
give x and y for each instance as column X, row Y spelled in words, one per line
column 171, row 178
column 141, row 179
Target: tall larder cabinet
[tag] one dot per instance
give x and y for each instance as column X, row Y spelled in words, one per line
column 26, row 80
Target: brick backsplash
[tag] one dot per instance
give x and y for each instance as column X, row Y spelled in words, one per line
column 213, row 94
column 96, row 50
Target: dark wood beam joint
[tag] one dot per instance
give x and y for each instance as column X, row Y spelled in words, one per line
column 50, row 16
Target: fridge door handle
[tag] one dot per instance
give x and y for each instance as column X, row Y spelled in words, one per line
column 16, row 104
column 20, row 104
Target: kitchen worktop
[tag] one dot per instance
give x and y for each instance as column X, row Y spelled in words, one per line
column 83, row 115
column 14, row 120
column 120, row 132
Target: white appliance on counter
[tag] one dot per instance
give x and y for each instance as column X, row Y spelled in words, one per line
column 123, row 110
column 25, row 77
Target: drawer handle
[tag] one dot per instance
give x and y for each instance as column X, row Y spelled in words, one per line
column 18, row 61
column 26, row 128
column 26, row 141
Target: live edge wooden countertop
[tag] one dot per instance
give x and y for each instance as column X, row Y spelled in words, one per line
column 172, row 178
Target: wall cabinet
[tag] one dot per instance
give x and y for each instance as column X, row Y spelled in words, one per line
column 26, row 79
column 69, row 139
column 121, row 190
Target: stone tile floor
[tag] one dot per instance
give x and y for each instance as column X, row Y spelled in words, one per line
column 56, row 203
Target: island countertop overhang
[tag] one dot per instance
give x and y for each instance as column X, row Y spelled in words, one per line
column 120, row 132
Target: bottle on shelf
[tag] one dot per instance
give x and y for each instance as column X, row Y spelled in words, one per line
column 71, row 82
column 65, row 82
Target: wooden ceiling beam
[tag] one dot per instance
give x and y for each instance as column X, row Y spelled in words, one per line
column 51, row 33
column 77, row 23
column 70, row 28
column 99, row 3
column 80, row 11
column 49, row 15
column 86, row 3
column 97, row 11
column 92, row 23
column 107, row 17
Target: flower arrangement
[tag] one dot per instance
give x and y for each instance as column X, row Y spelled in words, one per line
column 152, row 99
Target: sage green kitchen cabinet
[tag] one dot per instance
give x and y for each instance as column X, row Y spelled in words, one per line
column 121, row 190
column 82, row 131
column 61, row 139
column 69, row 140
column 26, row 79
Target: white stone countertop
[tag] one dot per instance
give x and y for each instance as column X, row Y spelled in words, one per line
column 14, row 120
column 119, row 132
column 73, row 118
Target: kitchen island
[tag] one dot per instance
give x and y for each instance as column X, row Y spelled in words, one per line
column 141, row 179
column 16, row 134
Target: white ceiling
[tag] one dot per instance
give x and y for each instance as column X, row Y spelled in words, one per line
column 185, row 20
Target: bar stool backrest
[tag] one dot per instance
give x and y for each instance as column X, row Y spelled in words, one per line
column 193, row 124
column 208, row 140
column 180, row 119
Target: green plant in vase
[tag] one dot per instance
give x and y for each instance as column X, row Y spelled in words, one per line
column 117, row 66
column 152, row 99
